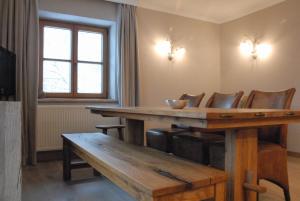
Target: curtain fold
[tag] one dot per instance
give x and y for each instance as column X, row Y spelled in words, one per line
column 127, row 55
column 19, row 34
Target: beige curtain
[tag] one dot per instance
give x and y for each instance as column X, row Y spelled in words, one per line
column 128, row 55
column 19, row 34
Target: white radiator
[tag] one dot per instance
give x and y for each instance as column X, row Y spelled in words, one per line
column 53, row 120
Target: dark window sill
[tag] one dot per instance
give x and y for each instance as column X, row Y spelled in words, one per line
column 75, row 101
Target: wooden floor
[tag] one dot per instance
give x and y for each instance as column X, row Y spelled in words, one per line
column 44, row 183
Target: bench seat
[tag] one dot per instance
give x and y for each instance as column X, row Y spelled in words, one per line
column 145, row 173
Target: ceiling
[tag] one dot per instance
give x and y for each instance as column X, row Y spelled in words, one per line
column 217, row 11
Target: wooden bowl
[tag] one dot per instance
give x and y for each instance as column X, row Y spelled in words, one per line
column 176, row 104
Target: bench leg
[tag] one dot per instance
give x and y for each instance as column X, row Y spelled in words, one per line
column 202, row 194
column 66, row 161
column 96, row 173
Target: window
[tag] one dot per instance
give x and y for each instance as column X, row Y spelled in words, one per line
column 73, row 61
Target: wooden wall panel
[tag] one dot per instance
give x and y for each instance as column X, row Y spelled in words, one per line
column 10, row 151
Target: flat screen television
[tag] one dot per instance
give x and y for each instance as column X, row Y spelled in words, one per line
column 7, row 74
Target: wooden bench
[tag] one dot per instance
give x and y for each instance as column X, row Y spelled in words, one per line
column 146, row 174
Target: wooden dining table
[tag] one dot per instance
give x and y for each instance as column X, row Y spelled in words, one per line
column 241, row 138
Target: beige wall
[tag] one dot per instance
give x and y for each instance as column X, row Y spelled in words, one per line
column 198, row 72
column 213, row 61
column 280, row 26
column 160, row 79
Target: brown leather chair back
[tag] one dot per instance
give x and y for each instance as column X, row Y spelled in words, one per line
column 272, row 100
column 227, row 101
column 193, row 101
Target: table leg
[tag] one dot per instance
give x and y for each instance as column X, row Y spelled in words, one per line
column 66, row 161
column 220, row 192
column 240, row 159
column 121, row 135
column 134, row 132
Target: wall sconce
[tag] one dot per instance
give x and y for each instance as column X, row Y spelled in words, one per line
column 166, row 48
column 255, row 50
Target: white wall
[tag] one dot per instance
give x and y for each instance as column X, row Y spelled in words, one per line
column 55, row 118
column 98, row 9
column 91, row 12
column 279, row 26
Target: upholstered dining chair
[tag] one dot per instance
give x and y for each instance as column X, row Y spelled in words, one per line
column 160, row 138
column 272, row 147
column 194, row 145
column 225, row 101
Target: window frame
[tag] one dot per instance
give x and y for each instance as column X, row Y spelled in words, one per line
column 75, row 28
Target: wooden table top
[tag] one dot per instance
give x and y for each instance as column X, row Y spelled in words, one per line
column 201, row 113
column 204, row 117
column 138, row 165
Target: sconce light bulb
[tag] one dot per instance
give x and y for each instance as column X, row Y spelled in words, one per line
column 163, row 47
column 170, row 56
column 263, row 50
column 255, row 50
column 247, row 48
column 166, row 48
column 179, row 53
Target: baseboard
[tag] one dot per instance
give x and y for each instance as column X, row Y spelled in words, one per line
column 294, row 154
column 54, row 155
column 47, row 156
